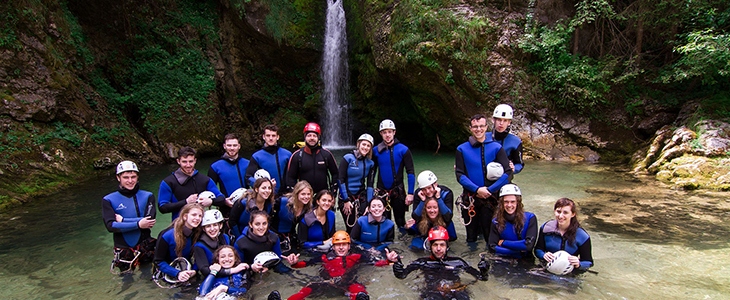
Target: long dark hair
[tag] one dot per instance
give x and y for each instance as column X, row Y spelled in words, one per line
column 425, row 224
column 319, row 196
column 574, row 224
column 251, row 202
column 501, row 215
column 254, row 215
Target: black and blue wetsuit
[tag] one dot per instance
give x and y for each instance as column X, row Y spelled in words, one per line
column 357, row 177
column 446, row 196
column 273, row 159
column 551, row 240
column 391, row 162
column 165, row 250
column 249, row 245
column 442, row 276
column 203, row 251
column 238, row 284
column 312, row 233
column 447, row 214
column 133, row 205
column 472, row 158
column 370, row 233
column 241, row 214
column 176, row 188
column 512, row 145
column 513, row 244
column 284, row 223
column 316, row 165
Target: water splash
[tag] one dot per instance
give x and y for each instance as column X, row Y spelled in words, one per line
column 337, row 133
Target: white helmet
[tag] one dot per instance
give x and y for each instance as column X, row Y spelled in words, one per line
column 211, row 217
column 494, row 171
column 366, row 137
column 181, row 264
column 426, row 178
column 261, row 173
column 560, row 265
column 267, row 259
column 510, row 189
column 238, row 194
column 503, row 111
column 126, row 165
column 386, row 124
column 206, row 195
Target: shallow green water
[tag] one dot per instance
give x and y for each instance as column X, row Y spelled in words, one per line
column 58, row 248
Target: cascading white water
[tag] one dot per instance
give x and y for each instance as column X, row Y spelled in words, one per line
column 335, row 77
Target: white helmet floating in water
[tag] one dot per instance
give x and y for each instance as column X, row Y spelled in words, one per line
column 510, row 189
column 560, row 265
column 267, row 259
column 238, row 194
column 494, row 171
column 126, row 166
column 503, row 111
column 426, row 178
column 366, row 137
column 206, row 195
column 386, row 124
column 211, row 217
column 261, row 173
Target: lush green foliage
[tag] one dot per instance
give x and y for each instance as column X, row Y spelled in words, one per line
column 296, row 22
column 705, row 55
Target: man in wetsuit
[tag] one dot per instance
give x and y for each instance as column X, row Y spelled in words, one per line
column 272, row 158
column 229, row 171
column 129, row 213
column 479, row 198
column 512, row 145
column 183, row 186
column 391, row 158
column 313, row 163
column 441, row 272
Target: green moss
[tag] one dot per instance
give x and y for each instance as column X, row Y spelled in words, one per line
column 296, row 22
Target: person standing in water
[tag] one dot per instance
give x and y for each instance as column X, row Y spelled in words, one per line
column 357, row 176
column 512, row 144
column 565, row 233
column 272, row 158
column 313, row 163
column 229, row 171
column 392, row 158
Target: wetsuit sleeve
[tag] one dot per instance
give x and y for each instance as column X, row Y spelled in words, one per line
column 504, row 179
column 151, row 209
column 214, row 175
column 292, row 170
column 207, row 284
column 521, row 245
column 253, row 166
column 166, row 203
column 201, row 260
column 334, row 172
column 235, row 214
column 390, row 236
column 220, row 199
column 461, row 176
column 493, row 237
column 344, row 193
column 471, row 270
column 303, row 235
column 516, row 159
column 410, row 171
column 444, row 210
column 401, row 272
column 449, row 199
column 162, row 251
column 540, row 246
column 356, row 232
column 586, row 257
column 107, row 213
column 370, row 183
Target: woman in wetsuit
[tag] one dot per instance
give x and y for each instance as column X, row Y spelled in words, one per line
column 565, row 233
column 357, row 177
column 262, row 198
column 257, row 238
column 430, row 213
column 514, row 230
column 290, row 210
column 374, row 230
column 177, row 241
column 233, row 284
column 211, row 240
column 318, row 225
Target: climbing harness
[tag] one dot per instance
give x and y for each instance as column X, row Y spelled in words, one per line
column 385, row 195
column 355, row 208
column 166, row 281
column 470, row 208
column 126, row 259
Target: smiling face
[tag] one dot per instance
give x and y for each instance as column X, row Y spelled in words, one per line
column 270, row 137
column 193, row 218
column 563, row 215
column 226, row 258
column 478, row 128
column 388, row 136
column 212, row 230
column 187, row 164
column 311, row 138
column 263, row 192
column 510, row 204
column 364, row 147
column 377, row 208
column 341, row 249
column 259, row 225
column 432, row 209
column 232, row 146
column 429, row 190
column 305, row 196
column 438, row 249
column 128, row 179
column 500, row 124
column 325, row 202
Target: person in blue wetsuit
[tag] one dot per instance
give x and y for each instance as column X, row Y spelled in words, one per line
column 178, row 240
column 129, row 213
column 565, row 233
column 313, row 163
column 229, row 171
column 318, row 225
column 272, row 158
column 512, row 144
column 211, row 240
column 257, row 238
column 261, row 198
column 235, row 284
column 357, row 176
column 183, row 186
column 473, row 172
column 428, row 187
column 290, row 210
column 374, row 230
column 429, row 214
column 392, row 158
column 514, row 230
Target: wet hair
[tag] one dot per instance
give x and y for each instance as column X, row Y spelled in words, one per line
column 294, row 203
column 477, row 117
column 236, row 261
column 230, row 136
column 501, row 215
column 425, row 223
column 321, row 194
column 574, row 224
column 251, row 202
column 271, row 127
column 179, row 224
column 186, row 151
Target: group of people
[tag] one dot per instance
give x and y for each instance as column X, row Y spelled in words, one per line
column 282, row 203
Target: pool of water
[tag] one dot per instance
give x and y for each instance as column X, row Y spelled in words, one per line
column 648, row 242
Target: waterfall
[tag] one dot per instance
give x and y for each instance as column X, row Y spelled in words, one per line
column 336, row 124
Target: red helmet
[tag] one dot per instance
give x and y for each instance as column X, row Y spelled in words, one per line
column 438, row 233
column 313, row 127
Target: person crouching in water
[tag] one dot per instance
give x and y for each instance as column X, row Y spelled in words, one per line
column 441, row 272
column 430, row 213
column 234, row 285
column 340, row 266
column 177, row 242
column 514, row 230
